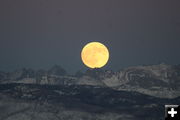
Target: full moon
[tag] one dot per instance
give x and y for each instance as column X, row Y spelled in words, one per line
column 95, row 55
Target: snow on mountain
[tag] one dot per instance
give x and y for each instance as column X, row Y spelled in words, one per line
column 156, row 80
column 77, row 102
column 87, row 80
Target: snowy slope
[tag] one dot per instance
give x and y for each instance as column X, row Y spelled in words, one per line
column 76, row 102
column 156, row 80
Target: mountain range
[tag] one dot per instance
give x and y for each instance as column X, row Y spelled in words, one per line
column 133, row 93
column 156, row 80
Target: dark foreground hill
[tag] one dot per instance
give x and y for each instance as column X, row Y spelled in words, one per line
column 77, row 102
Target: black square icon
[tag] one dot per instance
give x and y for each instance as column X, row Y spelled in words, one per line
column 172, row 112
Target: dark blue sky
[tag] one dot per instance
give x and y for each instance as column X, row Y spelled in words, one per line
column 41, row 33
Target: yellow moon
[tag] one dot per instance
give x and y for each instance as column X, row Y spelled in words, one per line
column 95, row 55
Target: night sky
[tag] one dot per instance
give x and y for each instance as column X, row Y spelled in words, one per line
column 41, row 33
